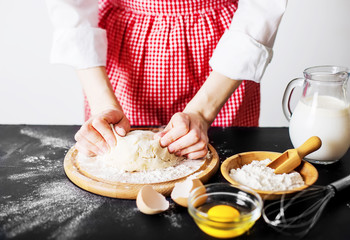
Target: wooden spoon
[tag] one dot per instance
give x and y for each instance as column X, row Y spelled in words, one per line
column 291, row 158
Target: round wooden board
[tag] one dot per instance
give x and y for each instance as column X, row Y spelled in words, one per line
column 129, row 190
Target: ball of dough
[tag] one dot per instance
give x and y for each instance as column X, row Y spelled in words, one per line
column 138, row 151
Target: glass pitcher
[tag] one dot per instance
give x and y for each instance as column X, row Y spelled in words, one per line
column 322, row 110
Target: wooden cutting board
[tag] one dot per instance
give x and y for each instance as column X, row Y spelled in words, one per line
column 129, row 190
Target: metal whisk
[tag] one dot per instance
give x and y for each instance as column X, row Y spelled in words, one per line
column 297, row 215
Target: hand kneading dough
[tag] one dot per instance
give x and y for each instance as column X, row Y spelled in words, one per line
column 138, row 151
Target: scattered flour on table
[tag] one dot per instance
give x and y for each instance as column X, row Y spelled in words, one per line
column 47, row 140
column 50, row 200
column 36, row 166
column 257, row 176
column 174, row 218
column 97, row 168
column 66, row 205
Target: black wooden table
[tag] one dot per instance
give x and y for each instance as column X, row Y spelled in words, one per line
column 37, row 201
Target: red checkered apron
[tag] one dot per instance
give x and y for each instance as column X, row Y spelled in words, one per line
column 158, row 58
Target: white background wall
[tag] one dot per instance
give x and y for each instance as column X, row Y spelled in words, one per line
column 32, row 91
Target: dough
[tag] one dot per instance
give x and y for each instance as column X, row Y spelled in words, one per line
column 138, row 151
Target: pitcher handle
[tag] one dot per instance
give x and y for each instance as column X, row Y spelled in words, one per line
column 288, row 95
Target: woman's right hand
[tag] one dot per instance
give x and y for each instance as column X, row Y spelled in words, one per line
column 95, row 137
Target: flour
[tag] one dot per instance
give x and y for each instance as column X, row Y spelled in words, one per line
column 172, row 215
column 47, row 140
column 97, row 168
column 49, row 200
column 67, row 205
column 33, row 159
column 257, row 176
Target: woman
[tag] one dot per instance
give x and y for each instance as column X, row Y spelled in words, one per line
column 190, row 64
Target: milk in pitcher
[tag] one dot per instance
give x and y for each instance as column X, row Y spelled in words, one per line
column 326, row 117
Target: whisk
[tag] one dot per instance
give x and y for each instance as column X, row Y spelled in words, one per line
column 298, row 214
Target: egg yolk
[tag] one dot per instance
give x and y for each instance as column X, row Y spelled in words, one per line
column 223, row 213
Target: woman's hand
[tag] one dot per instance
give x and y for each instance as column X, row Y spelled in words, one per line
column 95, row 136
column 186, row 135
column 187, row 132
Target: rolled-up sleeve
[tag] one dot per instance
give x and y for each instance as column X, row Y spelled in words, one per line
column 77, row 39
column 245, row 49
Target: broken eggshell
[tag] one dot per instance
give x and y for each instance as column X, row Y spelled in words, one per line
column 149, row 201
column 183, row 189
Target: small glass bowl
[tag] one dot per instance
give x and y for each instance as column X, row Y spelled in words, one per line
column 245, row 200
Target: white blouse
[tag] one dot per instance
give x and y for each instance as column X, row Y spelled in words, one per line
column 243, row 51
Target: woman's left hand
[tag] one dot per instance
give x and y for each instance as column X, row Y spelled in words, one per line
column 186, row 135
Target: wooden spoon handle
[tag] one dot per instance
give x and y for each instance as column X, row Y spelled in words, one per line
column 309, row 146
